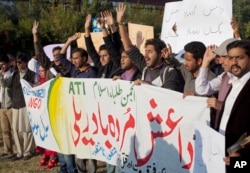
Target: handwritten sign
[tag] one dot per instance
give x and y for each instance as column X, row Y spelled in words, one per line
column 138, row 128
column 197, row 20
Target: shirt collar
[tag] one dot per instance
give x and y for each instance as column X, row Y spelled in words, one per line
column 243, row 80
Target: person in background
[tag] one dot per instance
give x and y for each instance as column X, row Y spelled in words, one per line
column 33, row 65
column 49, row 158
column 6, row 74
column 128, row 70
column 219, row 84
column 12, row 59
column 154, row 69
column 190, row 68
column 215, row 65
column 23, row 136
column 103, row 60
column 79, row 68
column 55, row 68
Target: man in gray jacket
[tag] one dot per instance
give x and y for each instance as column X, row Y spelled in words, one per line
column 6, row 74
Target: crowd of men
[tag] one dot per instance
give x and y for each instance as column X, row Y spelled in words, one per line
column 220, row 73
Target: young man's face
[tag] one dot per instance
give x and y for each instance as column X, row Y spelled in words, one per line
column 42, row 72
column 239, row 62
column 151, row 57
column 21, row 65
column 223, row 60
column 104, row 57
column 4, row 66
column 126, row 62
column 56, row 57
column 191, row 64
column 77, row 60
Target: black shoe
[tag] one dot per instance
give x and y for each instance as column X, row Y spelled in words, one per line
column 15, row 158
column 27, row 157
column 3, row 154
column 11, row 156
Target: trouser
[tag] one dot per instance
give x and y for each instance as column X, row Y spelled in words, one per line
column 24, row 143
column 82, row 168
column 6, row 126
column 23, row 136
column 67, row 163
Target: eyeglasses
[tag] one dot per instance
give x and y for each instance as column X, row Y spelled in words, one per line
column 19, row 62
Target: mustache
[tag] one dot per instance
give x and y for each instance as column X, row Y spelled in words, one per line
column 235, row 66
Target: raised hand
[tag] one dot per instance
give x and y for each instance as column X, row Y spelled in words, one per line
column 101, row 22
column 88, row 21
column 74, row 37
column 108, row 18
column 209, row 54
column 235, row 27
column 120, row 10
column 35, row 27
column 139, row 39
column 167, row 52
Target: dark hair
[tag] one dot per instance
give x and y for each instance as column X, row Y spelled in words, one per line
column 244, row 44
column 103, row 47
column 56, row 48
column 4, row 58
column 83, row 52
column 157, row 43
column 22, row 57
column 196, row 48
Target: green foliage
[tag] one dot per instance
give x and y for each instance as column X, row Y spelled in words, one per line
column 58, row 21
column 146, row 15
column 241, row 10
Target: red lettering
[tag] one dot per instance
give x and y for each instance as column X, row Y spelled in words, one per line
column 76, row 126
column 35, row 103
column 169, row 122
column 129, row 124
column 180, row 145
column 191, row 154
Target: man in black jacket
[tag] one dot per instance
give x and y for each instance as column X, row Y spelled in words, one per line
column 23, row 136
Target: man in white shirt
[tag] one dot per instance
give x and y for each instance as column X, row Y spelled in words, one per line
column 202, row 85
column 219, row 84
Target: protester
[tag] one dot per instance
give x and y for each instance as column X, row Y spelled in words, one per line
column 23, row 136
column 235, row 110
column 49, row 158
column 103, row 61
column 154, row 69
column 79, row 68
column 6, row 74
column 55, row 68
column 219, row 84
column 190, row 68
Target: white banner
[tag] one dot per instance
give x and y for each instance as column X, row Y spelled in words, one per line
column 139, row 128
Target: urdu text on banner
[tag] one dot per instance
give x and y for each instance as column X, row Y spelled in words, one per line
column 140, row 128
